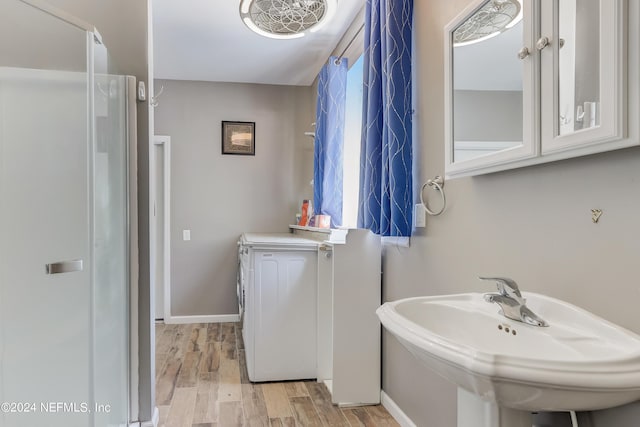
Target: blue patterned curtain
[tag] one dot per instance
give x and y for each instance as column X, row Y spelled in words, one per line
column 386, row 191
column 329, row 140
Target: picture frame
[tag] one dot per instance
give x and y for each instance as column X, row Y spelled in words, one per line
column 238, row 138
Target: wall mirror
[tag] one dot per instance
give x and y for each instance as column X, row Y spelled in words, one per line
column 578, row 65
column 530, row 81
column 583, row 54
column 490, row 85
column 487, row 81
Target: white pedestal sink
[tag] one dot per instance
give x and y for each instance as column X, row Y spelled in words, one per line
column 506, row 369
column 473, row 411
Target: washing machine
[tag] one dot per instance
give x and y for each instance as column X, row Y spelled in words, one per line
column 277, row 297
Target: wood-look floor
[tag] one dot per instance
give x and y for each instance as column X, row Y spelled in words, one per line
column 201, row 381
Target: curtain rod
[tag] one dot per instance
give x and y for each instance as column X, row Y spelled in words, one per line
column 355, row 36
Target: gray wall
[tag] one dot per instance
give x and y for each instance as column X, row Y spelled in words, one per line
column 220, row 196
column 532, row 224
column 123, row 25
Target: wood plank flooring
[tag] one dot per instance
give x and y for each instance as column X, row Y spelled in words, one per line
column 201, row 381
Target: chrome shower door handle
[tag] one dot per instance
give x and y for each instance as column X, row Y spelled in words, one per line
column 64, row 267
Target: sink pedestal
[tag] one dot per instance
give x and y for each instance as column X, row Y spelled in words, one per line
column 580, row 362
column 475, row 412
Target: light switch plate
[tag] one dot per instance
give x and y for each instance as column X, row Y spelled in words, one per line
column 186, row 235
column 420, row 216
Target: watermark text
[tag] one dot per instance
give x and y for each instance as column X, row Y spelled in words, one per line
column 53, row 407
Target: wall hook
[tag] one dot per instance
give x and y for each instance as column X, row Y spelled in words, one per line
column 595, row 215
column 154, row 99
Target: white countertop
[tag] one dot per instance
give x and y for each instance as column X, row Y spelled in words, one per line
column 277, row 239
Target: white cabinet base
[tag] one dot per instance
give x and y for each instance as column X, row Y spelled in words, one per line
column 349, row 292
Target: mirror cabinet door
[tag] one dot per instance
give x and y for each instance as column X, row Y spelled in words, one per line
column 582, row 51
column 491, row 97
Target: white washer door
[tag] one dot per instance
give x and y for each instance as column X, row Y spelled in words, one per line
column 284, row 315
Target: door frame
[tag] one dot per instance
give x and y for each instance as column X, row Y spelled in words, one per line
column 163, row 141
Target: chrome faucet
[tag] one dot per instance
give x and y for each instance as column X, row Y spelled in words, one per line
column 513, row 305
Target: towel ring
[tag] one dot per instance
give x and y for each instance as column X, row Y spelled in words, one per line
column 438, row 183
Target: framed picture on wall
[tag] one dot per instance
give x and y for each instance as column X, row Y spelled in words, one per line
column 239, row 138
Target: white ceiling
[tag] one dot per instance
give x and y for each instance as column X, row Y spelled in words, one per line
column 206, row 40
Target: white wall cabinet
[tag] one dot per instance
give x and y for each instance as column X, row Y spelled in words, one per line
column 533, row 81
column 583, row 74
column 349, row 292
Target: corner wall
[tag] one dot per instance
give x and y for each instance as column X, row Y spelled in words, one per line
column 218, row 197
column 532, row 224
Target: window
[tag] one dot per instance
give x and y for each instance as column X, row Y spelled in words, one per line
column 351, row 149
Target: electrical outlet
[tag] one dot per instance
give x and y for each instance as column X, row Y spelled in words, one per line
column 186, row 235
column 420, row 216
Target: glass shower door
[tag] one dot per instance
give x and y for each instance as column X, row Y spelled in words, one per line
column 44, row 218
column 110, row 242
column 63, row 235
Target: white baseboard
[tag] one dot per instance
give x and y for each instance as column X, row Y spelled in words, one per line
column 221, row 318
column 395, row 411
column 155, row 420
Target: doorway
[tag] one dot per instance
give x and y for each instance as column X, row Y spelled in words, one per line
column 161, row 246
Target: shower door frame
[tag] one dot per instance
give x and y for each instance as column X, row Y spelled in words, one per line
column 133, row 372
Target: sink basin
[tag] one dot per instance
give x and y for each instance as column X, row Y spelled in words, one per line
column 578, row 362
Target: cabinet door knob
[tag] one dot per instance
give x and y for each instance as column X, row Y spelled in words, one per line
column 523, row 53
column 542, row 43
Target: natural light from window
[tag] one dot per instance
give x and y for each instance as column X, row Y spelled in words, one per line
column 351, row 149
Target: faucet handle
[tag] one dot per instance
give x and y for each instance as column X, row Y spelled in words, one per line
column 507, row 287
